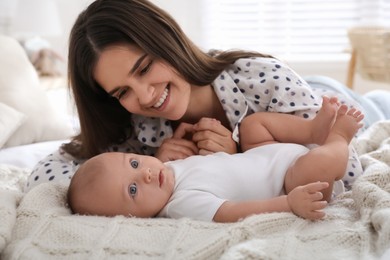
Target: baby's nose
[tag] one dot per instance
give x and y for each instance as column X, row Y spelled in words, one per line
column 147, row 174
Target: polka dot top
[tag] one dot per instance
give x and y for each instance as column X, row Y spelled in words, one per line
column 246, row 86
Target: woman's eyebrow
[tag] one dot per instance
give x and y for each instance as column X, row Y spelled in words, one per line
column 137, row 63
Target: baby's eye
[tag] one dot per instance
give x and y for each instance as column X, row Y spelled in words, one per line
column 134, row 163
column 133, row 190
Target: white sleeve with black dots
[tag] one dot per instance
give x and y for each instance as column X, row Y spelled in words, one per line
column 57, row 166
column 270, row 85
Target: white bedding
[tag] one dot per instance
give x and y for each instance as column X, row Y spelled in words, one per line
column 27, row 156
column 38, row 225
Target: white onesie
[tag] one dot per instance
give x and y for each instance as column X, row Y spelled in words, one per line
column 203, row 183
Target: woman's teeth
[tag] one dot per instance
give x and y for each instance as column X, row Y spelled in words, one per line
column 162, row 99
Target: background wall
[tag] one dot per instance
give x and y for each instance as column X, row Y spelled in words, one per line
column 185, row 12
column 188, row 14
column 69, row 10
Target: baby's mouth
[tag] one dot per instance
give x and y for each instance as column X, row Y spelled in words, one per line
column 162, row 98
column 161, row 178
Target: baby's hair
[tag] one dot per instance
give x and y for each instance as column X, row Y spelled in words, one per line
column 80, row 186
column 70, row 193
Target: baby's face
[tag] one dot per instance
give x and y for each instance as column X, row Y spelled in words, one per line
column 131, row 185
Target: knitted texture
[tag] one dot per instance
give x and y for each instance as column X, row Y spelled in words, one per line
column 356, row 226
column 12, row 180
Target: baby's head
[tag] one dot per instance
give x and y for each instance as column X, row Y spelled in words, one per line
column 126, row 184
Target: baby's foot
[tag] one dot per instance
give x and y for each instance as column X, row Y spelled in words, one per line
column 347, row 122
column 324, row 120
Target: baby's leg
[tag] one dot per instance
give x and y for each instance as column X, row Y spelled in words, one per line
column 324, row 120
column 264, row 127
column 327, row 162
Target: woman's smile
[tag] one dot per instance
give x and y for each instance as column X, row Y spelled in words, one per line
column 163, row 101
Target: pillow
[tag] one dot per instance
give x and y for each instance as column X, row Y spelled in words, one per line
column 21, row 90
column 10, row 120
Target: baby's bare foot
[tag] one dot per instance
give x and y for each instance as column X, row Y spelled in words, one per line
column 347, row 122
column 324, row 120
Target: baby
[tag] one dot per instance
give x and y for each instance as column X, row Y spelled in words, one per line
column 275, row 173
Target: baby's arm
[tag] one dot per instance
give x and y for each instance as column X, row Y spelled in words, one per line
column 304, row 201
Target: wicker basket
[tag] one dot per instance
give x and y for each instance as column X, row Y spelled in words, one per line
column 372, row 48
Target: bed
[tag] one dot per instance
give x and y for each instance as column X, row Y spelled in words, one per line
column 39, row 224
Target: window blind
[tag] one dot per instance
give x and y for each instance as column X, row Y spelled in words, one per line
column 291, row 29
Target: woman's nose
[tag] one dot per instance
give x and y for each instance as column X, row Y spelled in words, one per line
column 145, row 94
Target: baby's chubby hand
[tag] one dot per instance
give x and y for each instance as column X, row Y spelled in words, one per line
column 306, row 201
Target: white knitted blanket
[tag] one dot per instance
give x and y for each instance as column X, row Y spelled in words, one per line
column 38, row 225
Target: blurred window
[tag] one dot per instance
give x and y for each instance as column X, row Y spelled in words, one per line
column 289, row 29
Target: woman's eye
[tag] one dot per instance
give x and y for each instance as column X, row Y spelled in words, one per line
column 121, row 93
column 146, row 69
column 134, row 164
column 133, row 190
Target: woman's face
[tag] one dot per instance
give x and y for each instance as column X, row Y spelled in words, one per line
column 142, row 84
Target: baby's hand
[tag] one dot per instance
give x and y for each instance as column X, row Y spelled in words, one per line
column 179, row 146
column 305, row 201
column 211, row 136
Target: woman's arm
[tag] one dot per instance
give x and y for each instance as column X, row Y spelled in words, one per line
column 55, row 167
column 304, row 201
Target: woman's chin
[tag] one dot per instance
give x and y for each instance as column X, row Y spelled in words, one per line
column 176, row 116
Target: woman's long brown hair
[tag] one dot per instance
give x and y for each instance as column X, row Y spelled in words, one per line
column 103, row 121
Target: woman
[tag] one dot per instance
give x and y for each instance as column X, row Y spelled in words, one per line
column 140, row 85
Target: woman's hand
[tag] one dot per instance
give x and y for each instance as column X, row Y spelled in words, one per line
column 179, row 146
column 306, row 201
column 211, row 136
